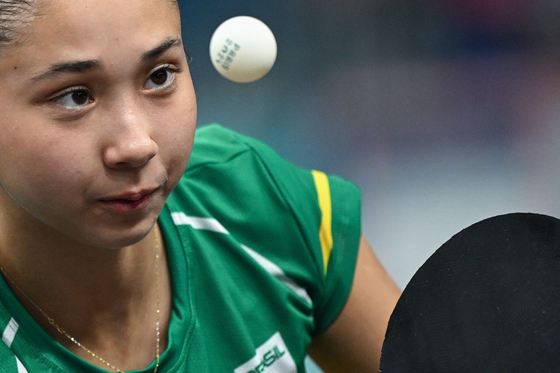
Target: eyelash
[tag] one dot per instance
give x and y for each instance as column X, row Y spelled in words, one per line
column 67, row 92
column 170, row 69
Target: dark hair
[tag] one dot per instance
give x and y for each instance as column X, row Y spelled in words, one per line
column 14, row 15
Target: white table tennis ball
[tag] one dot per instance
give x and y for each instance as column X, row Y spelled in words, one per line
column 243, row 49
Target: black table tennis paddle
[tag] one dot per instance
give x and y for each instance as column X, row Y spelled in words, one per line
column 488, row 300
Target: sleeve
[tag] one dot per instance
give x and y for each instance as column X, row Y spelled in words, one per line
column 327, row 211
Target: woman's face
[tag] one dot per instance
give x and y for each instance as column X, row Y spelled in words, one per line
column 97, row 119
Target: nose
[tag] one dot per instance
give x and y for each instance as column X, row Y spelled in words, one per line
column 129, row 142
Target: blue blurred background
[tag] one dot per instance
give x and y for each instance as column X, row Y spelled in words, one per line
column 444, row 112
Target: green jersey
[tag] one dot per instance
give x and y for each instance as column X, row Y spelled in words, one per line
column 261, row 255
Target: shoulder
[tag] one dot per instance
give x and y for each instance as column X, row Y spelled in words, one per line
column 214, row 145
column 238, row 173
column 241, row 181
column 247, row 163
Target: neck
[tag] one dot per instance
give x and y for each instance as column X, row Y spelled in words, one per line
column 84, row 274
column 104, row 298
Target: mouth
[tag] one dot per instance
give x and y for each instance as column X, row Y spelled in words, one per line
column 132, row 201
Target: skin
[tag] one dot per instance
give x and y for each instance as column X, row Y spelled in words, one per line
column 353, row 342
column 65, row 157
column 117, row 122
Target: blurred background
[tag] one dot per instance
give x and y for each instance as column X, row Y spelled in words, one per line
column 444, row 112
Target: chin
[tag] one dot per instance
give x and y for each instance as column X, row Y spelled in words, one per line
column 121, row 237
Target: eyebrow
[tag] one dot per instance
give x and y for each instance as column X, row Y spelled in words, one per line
column 161, row 49
column 68, row 67
column 87, row 65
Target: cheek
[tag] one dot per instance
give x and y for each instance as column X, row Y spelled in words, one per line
column 177, row 139
column 44, row 167
column 176, row 151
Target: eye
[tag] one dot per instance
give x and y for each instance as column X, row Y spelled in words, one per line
column 74, row 98
column 161, row 77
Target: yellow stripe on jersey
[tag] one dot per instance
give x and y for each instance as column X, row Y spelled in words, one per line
column 325, row 232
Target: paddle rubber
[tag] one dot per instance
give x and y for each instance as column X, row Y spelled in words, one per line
column 488, row 300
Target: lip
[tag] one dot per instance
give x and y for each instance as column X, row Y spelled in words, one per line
column 129, row 201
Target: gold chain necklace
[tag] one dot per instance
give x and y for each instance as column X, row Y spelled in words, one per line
column 63, row 332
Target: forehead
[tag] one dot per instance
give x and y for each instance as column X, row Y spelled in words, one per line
column 110, row 9
column 74, row 29
column 109, row 18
